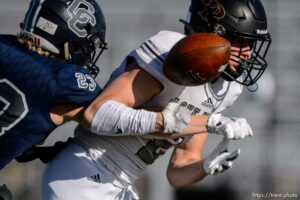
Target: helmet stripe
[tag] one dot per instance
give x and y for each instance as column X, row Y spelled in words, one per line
column 30, row 18
column 36, row 14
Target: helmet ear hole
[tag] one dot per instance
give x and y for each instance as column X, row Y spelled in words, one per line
column 75, row 47
column 94, row 40
column 79, row 54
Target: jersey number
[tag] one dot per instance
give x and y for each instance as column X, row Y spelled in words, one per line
column 13, row 105
column 85, row 81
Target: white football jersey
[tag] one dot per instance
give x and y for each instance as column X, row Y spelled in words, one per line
column 128, row 156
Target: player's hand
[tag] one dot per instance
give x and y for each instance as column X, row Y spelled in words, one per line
column 231, row 128
column 220, row 159
column 5, row 194
column 176, row 118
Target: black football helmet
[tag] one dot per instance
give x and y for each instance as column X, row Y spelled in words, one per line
column 244, row 21
column 73, row 29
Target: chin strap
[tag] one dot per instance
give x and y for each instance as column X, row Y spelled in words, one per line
column 188, row 28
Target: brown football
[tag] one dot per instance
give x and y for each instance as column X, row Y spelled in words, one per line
column 197, row 59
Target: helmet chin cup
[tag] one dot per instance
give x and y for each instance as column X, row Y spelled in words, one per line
column 231, row 75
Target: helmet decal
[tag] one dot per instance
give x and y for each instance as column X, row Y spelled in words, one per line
column 261, row 31
column 217, row 9
column 38, row 41
column 214, row 7
column 46, row 25
column 80, row 15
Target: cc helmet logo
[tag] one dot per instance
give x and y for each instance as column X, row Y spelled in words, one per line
column 81, row 12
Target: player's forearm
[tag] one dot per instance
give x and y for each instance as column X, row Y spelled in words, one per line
column 198, row 124
column 114, row 118
column 187, row 174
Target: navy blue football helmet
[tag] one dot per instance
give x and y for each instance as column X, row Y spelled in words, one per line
column 244, row 21
column 73, row 29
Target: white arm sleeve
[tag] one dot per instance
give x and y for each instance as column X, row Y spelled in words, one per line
column 115, row 119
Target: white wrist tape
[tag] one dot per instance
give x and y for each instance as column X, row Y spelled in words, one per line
column 114, row 118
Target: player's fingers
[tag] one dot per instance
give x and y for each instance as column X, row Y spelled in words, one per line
column 219, row 169
column 226, row 165
column 172, row 106
column 233, row 155
column 229, row 131
column 212, row 170
column 250, row 130
column 246, row 129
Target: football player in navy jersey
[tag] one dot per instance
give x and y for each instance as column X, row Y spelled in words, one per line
column 42, row 81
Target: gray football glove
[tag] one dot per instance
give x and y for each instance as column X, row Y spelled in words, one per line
column 176, row 118
column 220, row 159
column 231, row 128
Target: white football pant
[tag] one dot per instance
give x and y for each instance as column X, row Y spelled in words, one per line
column 72, row 175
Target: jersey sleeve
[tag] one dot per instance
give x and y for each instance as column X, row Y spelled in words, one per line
column 151, row 54
column 75, row 85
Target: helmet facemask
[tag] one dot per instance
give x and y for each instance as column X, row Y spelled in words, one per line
column 249, row 68
column 95, row 55
column 86, row 56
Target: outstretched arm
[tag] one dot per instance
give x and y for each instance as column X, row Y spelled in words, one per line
column 187, row 167
column 186, row 164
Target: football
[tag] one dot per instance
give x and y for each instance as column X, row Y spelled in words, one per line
column 197, row 59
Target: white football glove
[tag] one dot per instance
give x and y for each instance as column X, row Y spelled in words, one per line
column 5, row 194
column 176, row 118
column 220, row 159
column 231, row 128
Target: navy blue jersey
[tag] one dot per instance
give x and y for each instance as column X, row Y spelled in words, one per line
column 30, row 85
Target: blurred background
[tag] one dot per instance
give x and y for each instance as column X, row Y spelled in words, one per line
column 269, row 162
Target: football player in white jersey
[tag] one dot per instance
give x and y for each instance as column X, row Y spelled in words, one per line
column 105, row 165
